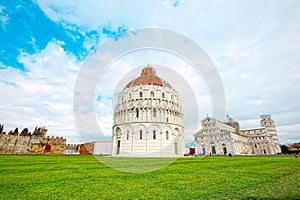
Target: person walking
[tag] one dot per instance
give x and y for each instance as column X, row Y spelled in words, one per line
column 295, row 155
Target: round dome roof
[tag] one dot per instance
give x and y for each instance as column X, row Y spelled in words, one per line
column 148, row 77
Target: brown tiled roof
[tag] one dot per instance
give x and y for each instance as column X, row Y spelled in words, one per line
column 295, row 146
column 148, row 77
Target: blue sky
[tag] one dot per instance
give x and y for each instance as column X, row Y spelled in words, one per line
column 254, row 45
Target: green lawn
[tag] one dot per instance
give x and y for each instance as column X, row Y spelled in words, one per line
column 84, row 177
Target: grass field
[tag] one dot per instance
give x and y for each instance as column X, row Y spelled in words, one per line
column 84, row 177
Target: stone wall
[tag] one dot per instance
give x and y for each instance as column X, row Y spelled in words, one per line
column 102, row 147
column 87, row 148
column 31, row 144
column 72, row 149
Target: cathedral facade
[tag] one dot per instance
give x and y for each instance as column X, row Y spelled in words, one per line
column 148, row 119
column 217, row 137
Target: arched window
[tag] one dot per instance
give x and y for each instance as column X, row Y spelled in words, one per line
column 167, row 135
column 152, row 94
column 137, row 113
column 154, row 112
column 129, row 95
column 141, row 134
column 141, row 94
column 127, row 135
column 154, row 135
column 163, row 95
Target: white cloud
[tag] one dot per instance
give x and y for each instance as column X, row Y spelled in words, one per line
column 4, row 18
column 101, row 13
column 41, row 95
column 238, row 51
column 289, row 133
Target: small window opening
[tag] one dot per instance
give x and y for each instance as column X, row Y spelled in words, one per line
column 167, row 135
column 154, row 112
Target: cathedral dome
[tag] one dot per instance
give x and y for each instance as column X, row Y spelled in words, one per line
column 148, row 77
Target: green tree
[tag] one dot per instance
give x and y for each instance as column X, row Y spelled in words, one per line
column 1, row 128
column 40, row 131
column 16, row 131
column 284, row 148
column 25, row 130
column 36, row 131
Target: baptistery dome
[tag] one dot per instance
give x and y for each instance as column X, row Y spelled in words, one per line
column 148, row 77
column 148, row 118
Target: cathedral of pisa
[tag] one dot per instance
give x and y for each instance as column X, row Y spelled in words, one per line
column 217, row 137
column 148, row 119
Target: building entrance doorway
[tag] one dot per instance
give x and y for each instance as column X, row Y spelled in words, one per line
column 203, row 151
column 224, row 150
column 118, row 146
column 213, row 149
